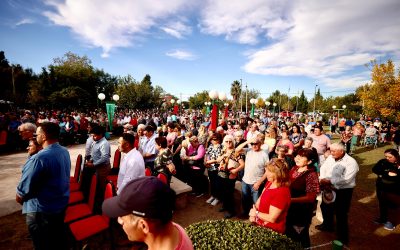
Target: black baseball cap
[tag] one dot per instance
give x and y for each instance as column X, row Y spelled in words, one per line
column 146, row 197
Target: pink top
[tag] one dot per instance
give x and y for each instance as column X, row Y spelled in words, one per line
column 171, row 138
column 192, row 152
column 321, row 143
column 184, row 241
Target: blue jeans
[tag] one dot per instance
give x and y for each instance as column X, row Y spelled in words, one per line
column 47, row 230
column 249, row 196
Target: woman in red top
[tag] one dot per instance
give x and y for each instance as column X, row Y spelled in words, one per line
column 271, row 208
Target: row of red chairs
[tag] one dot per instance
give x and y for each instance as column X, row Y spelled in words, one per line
column 82, row 222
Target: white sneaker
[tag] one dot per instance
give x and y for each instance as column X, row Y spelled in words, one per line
column 211, row 199
column 215, row 202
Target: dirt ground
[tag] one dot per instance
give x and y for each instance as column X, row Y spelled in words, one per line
column 364, row 234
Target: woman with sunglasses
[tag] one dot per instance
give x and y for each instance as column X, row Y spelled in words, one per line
column 214, row 151
column 231, row 163
column 271, row 208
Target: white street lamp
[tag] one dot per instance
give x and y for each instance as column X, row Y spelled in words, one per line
column 222, row 96
column 213, row 94
column 101, row 96
column 338, row 110
column 116, row 97
column 274, row 105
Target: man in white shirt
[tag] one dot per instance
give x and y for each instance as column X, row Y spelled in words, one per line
column 132, row 165
column 338, row 173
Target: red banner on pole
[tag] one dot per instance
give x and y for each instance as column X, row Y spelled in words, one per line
column 214, row 117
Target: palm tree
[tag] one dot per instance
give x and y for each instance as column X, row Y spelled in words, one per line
column 236, row 92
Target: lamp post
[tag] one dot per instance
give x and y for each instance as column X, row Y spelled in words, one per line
column 226, row 109
column 207, row 104
column 338, row 110
column 253, row 102
column 274, row 105
column 315, row 95
column 172, row 103
column 214, row 96
column 116, row 97
column 222, row 98
column 267, row 103
column 179, row 105
column 101, row 96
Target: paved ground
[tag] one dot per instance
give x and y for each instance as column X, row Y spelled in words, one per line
column 10, row 173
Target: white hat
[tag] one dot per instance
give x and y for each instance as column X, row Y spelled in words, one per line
column 328, row 196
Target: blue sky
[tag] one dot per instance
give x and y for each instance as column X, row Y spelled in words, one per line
column 191, row 46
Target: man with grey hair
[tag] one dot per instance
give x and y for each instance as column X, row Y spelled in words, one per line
column 254, row 172
column 337, row 178
column 26, row 130
column 140, row 134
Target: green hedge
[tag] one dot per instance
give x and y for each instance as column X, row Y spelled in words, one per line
column 231, row 234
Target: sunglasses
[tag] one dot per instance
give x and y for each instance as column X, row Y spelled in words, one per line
column 229, row 141
column 254, row 143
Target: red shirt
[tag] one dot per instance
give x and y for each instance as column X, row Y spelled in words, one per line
column 279, row 198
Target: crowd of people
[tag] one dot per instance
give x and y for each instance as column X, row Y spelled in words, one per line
column 283, row 164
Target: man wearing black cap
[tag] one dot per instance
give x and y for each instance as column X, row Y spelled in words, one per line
column 144, row 209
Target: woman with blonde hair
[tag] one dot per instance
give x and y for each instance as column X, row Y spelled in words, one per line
column 270, row 139
column 202, row 135
column 271, row 208
column 230, row 165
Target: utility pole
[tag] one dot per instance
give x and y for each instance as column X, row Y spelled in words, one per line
column 241, row 98
column 315, row 95
column 246, row 98
column 13, row 83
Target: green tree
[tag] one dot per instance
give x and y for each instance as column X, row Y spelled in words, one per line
column 236, row 91
column 319, row 99
column 303, row 103
column 197, row 101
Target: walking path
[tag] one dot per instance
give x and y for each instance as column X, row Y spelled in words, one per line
column 10, row 174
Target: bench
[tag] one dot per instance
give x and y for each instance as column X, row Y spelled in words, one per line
column 181, row 189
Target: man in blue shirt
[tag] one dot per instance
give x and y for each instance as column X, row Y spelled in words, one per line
column 100, row 162
column 44, row 189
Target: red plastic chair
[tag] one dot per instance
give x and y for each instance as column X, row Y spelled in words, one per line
column 113, row 177
column 147, row 172
column 76, row 196
column 75, row 186
column 163, row 178
column 117, row 159
column 78, row 165
column 84, row 209
column 87, row 227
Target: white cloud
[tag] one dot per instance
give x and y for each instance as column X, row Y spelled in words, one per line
column 177, row 29
column 24, row 21
column 318, row 39
column 110, row 24
column 181, row 55
column 245, row 22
